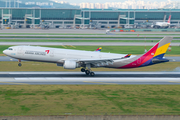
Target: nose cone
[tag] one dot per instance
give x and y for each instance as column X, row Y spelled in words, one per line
column 5, row 52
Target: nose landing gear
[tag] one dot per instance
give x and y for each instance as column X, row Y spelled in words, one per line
column 19, row 64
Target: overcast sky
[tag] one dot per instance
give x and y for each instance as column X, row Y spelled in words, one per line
column 103, row 1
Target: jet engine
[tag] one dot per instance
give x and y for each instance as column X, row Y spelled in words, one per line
column 69, row 64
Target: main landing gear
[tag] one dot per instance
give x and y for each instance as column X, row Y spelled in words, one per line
column 88, row 71
column 19, row 64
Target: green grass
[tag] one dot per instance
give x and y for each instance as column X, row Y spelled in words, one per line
column 41, row 66
column 89, row 99
column 111, row 49
column 77, row 34
column 56, row 40
column 74, row 37
column 47, row 34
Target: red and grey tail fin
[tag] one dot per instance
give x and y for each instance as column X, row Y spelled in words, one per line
column 153, row 56
column 159, row 49
column 169, row 20
column 162, row 46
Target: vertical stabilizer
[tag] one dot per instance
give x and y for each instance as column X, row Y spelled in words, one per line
column 164, row 18
column 169, row 20
column 163, row 45
column 154, row 55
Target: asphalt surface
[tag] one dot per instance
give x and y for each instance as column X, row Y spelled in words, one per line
column 105, row 35
column 59, row 31
column 6, row 58
column 77, row 31
column 54, row 78
column 86, row 43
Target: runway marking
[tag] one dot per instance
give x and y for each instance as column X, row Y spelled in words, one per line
column 15, row 83
column 100, row 82
column 71, row 46
column 63, row 46
column 174, row 82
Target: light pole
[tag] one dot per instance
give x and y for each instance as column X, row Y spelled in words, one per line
column 14, row 3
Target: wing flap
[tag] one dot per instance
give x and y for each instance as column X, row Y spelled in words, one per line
column 101, row 62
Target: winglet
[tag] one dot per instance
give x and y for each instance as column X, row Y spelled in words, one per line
column 99, row 49
column 127, row 56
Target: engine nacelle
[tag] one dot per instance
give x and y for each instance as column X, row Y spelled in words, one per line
column 69, row 64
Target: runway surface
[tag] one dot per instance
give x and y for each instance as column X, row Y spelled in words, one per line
column 78, row 31
column 59, row 31
column 86, row 43
column 55, row 78
column 105, row 35
column 6, row 58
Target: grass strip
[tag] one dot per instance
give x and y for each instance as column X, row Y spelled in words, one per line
column 56, row 40
column 75, row 37
column 47, row 34
column 89, row 99
column 60, row 40
column 76, row 34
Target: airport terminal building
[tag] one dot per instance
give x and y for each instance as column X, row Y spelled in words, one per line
column 102, row 18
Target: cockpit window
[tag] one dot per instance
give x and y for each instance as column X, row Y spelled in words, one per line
column 10, row 49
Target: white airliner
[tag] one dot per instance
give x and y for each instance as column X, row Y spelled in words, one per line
column 72, row 59
column 162, row 24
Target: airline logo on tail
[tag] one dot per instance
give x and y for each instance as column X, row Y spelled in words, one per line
column 169, row 19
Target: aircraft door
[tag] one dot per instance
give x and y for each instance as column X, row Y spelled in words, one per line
column 20, row 50
column 52, row 53
column 100, row 56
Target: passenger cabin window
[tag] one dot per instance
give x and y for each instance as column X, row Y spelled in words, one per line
column 10, row 49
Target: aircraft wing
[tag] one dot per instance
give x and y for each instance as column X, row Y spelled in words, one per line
column 99, row 62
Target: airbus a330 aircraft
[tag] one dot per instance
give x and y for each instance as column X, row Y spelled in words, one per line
column 162, row 24
column 72, row 59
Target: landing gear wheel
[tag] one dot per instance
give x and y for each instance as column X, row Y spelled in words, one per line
column 19, row 64
column 92, row 74
column 83, row 70
column 87, row 72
